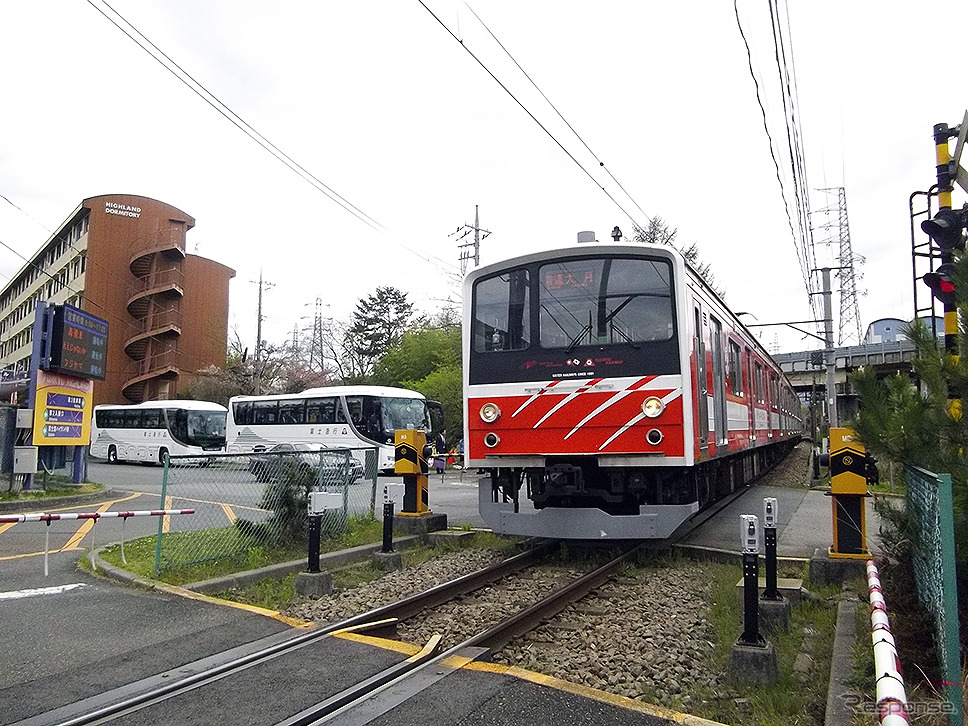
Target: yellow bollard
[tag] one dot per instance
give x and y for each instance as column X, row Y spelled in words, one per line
column 848, row 490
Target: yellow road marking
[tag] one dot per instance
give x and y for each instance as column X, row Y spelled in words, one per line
column 74, row 542
column 88, row 524
column 227, row 508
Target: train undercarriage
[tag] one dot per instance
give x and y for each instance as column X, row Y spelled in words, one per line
column 595, row 501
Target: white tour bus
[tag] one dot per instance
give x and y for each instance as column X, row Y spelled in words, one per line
column 150, row 430
column 333, row 417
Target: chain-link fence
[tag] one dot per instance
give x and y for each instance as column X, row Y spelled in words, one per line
column 929, row 504
column 245, row 501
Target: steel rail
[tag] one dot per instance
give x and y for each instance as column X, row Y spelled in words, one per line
column 400, row 610
column 493, row 638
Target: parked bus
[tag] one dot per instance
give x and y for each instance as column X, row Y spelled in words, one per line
column 151, row 430
column 334, row 417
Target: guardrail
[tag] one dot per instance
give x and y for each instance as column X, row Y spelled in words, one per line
column 889, row 689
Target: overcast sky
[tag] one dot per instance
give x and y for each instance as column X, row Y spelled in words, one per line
column 378, row 101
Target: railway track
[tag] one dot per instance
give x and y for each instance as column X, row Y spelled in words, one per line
column 133, row 703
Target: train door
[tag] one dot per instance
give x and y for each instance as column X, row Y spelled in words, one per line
column 702, row 384
column 750, row 399
column 719, row 383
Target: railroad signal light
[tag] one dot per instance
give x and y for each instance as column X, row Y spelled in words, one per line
column 946, row 229
column 942, row 284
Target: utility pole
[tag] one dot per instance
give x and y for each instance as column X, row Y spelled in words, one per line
column 829, row 361
column 258, row 336
column 465, row 231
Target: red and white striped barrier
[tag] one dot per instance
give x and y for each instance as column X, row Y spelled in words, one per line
column 95, row 516
column 45, row 517
column 891, row 699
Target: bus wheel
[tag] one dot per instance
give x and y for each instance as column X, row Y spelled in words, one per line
column 112, row 455
column 162, row 453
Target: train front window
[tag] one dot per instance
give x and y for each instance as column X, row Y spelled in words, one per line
column 502, row 316
column 600, row 301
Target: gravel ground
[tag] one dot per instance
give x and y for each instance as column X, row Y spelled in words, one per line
column 645, row 635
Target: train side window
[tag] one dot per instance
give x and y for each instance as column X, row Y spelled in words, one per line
column 735, row 369
column 758, row 383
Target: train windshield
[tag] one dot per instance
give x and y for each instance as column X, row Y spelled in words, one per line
column 605, row 300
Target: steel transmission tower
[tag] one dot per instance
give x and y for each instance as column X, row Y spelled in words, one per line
column 839, row 229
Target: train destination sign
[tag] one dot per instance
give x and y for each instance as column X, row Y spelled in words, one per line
column 77, row 343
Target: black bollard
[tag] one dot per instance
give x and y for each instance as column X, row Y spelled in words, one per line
column 315, row 527
column 751, row 613
column 769, row 547
column 749, row 533
column 387, row 526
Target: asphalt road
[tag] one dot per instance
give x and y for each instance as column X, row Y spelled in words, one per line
column 69, row 634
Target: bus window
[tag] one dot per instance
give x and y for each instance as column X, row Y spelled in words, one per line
column 265, row 412
column 152, row 419
column 436, row 418
column 132, row 419
column 292, row 411
column 321, row 410
column 242, row 412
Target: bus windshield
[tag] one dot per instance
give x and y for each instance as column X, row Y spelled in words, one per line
column 405, row 413
column 197, row 428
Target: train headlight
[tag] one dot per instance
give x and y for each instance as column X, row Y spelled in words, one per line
column 652, row 407
column 491, row 440
column 490, row 413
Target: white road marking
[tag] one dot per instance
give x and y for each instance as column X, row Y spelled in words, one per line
column 20, row 594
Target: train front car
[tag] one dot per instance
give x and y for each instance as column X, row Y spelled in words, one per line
column 578, row 393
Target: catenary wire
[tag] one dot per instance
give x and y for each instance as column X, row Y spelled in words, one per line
column 527, row 111
column 766, row 128
column 555, row 109
column 202, row 92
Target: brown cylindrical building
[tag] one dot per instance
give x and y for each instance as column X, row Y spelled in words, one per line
column 123, row 258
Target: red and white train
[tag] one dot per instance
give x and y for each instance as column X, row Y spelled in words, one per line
column 610, row 393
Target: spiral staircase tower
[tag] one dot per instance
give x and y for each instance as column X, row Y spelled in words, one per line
column 154, row 304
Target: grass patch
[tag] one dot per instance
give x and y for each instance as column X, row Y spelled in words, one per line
column 201, row 550
column 61, row 488
column 794, row 699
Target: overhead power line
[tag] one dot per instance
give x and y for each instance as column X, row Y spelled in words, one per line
column 555, row 109
column 202, row 92
column 528, row 111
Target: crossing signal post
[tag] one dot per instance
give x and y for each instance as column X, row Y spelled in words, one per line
column 947, row 232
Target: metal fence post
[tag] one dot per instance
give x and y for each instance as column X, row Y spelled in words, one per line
column 161, row 520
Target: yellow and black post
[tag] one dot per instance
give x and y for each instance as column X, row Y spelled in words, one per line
column 848, row 489
column 954, row 241
column 410, row 460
